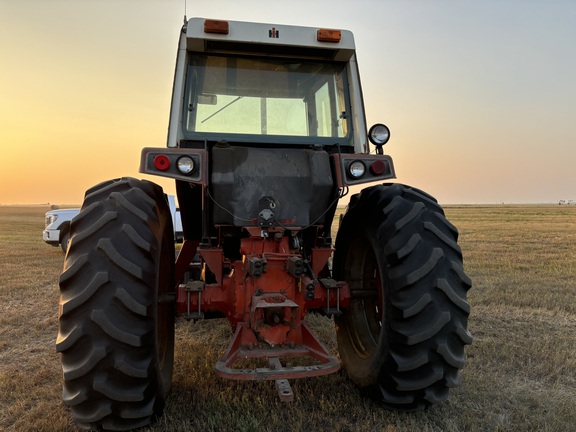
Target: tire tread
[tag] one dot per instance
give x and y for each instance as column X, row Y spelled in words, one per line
column 421, row 352
column 106, row 333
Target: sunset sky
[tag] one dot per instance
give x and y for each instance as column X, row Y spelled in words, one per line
column 480, row 95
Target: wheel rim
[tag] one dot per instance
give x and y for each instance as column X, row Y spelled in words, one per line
column 164, row 316
column 65, row 241
column 366, row 312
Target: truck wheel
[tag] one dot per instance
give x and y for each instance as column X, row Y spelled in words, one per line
column 65, row 239
column 116, row 314
column 402, row 338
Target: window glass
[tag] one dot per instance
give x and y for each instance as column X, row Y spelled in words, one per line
column 229, row 95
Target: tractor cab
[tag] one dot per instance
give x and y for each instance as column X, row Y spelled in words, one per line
column 267, row 118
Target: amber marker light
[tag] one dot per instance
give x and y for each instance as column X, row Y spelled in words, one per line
column 215, row 26
column 327, row 35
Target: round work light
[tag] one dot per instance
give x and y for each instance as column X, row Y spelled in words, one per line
column 185, row 164
column 379, row 134
column 357, row 169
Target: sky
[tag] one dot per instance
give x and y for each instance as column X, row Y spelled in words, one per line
column 479, row 95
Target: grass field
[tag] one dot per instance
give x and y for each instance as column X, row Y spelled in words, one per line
column 520, row 373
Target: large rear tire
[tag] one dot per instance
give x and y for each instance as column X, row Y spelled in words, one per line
column 116, row 316
column 402, row 338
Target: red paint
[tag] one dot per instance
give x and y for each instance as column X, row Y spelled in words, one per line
column 267, row 311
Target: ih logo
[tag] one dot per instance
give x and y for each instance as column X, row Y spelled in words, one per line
column 273, row 33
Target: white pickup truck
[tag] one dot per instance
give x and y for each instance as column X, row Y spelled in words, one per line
column 57, row 224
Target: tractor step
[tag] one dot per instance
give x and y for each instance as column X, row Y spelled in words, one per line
column 331, row 284
column 332, row 311
column 194, row 287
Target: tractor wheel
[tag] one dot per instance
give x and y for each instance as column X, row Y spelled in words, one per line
column 116, row 314
column 402, row 339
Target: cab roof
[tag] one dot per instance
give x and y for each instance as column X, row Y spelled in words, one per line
column 222, row 36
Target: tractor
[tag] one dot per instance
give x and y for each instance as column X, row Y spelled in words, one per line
column 267, row 133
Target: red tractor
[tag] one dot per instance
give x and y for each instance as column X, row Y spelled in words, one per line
column 267, row 133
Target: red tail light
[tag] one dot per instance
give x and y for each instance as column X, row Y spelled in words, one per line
column 162, row 162
column 378, row 167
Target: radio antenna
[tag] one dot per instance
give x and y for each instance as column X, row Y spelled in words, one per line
column 185, row 20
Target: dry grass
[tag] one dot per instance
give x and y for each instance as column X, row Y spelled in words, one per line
column 520, row 373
